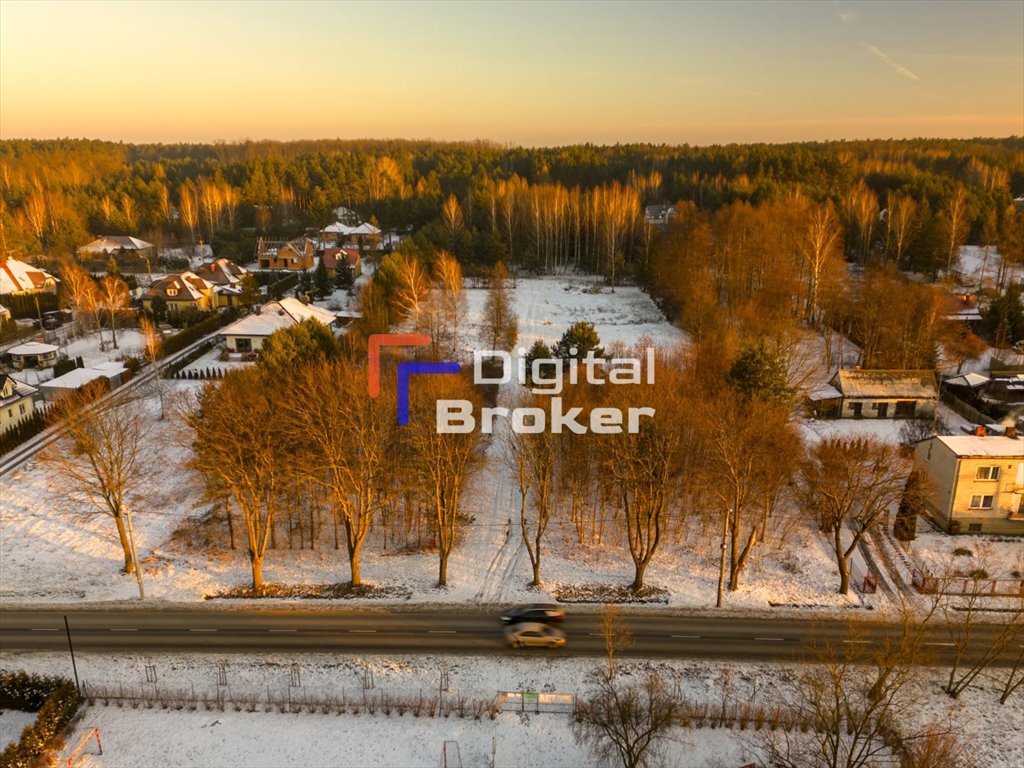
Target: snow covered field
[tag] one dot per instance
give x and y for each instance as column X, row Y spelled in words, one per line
column 208, row 736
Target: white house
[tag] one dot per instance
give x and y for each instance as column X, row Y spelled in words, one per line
column 249, row 333
column 17, row 277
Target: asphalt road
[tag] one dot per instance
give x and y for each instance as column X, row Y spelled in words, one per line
column 443, row 632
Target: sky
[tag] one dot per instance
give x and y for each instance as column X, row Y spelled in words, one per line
column 525, row 73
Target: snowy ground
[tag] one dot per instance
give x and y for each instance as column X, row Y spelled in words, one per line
column 208, row 736
column 12, row 723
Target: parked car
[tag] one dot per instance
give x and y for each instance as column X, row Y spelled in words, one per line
column 542, row 612
column 534, row 633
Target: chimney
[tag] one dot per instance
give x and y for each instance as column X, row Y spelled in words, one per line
column 1011, row 432
column 979, row 431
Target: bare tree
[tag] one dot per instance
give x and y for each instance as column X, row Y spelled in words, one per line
column 616, row 633
column 103, row 461
column 80, row 294
column 348, row 444
column 625, row 723
column 850, row 483
column 955, row 225
column 113, row 298
column 238, row 449
column 153, row 341
column 440, row 462
column 645, row 467
column 532, row 457
column 820, row 253
column 900, row 221
column 453, row 303
column 855, row 717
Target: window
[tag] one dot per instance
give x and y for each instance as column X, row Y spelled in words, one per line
column 988, row 473
column 172, row 291
column 974, row 528
column 21, row 408
column 981, row 502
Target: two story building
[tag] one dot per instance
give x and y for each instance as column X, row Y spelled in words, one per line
column 17, row 402
column 294, row 255
column 977, row 482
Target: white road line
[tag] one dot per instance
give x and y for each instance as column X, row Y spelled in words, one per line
column 115, row 629
column 946, row 644
column 440, row 631
column 363, row 631
column 282, row 630
column 43, row 629
column 772, row 639
column 688, row 637
column 858, row 642
column 202, row 630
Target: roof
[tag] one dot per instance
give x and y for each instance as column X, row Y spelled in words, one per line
column 110, row 243
column 220, row 272
column 345, row 229
column 276, row 315
column 189, row 286
column 33, row 348
column 79, row 377
column 17, row 276
column 331, row 256
column 825, row 393
column 972, row 380
column 972, row 445
column 885, row 384
column 20, row 389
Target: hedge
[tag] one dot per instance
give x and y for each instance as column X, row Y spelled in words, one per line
column 193, row 333
column 23, row 305
column 55, row 701
column 24, row 430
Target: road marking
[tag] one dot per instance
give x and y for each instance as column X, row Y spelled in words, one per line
column 282, row 630
column 115, row 629
column 947, row 644
column 363, row 631
column 439, row 631
column 43, row 629
column 858, row 642
column 202, row 630
column 688, row 637
column 772, row 639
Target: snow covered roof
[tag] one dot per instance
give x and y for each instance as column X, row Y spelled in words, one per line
column 187, row 285
column 971, row 380
column 18, row 389
column 825, row 393
column 107, row 244
column 972, row 445
column 79, row 377
column 220, row 272
column 17, row 276
column 33, row 348
column 110, row 369
column 344, row 229
column 889, row 384
column 275, row 315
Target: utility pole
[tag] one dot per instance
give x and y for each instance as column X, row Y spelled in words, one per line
column 74, row 667
column 135, row 553
column 726, row 516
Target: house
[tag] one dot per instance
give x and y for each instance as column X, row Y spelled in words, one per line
column 292, row 255
column 17, row 402
column 249, row 333
column 72, row 381
column 963, row 307
column 33, row 354
column 977, row 481
column 187, row 291
column 226, row 278
column 346, row 215
column 113, row 245
column 17, row 277
column 867, row 394
column 338, row 233
column 659, row 215
column 333, row 255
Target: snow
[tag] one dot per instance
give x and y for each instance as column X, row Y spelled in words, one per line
column 208, row 736
column 12, row 723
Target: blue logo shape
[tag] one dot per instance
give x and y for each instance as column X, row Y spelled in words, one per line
column 405, row 370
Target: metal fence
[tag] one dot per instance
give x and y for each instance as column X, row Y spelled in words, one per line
column 536, row 701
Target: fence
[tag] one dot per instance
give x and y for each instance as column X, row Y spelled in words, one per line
column 531, row 701
column 966, row 410
column 927, row 584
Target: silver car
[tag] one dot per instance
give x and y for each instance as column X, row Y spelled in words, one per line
column 534, row 633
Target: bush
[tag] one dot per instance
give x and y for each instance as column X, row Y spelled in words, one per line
column 63, row 365
column 193, row 333
column 22, row 432
column 55, row 701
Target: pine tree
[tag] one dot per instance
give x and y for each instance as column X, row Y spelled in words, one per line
column 321, row 280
